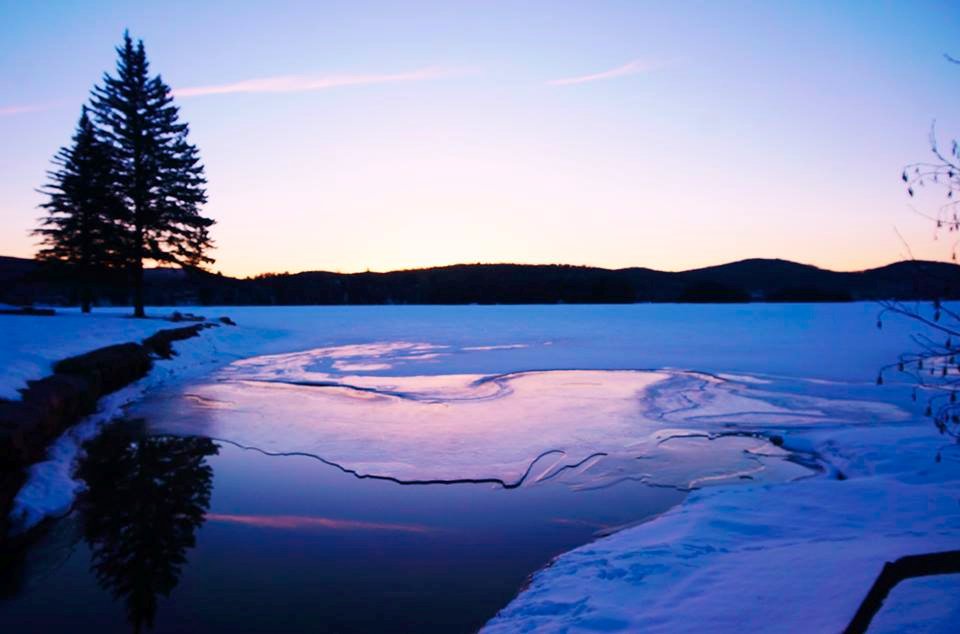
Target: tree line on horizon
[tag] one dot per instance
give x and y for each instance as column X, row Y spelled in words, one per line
column 24, row 282
column 129, row 187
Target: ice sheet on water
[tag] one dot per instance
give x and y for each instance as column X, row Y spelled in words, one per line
column 587, row 427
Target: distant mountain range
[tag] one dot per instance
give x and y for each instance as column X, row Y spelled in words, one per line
column 23, row 281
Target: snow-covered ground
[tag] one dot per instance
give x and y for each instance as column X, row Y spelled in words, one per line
column 29, row 346
column 36, row 343
column 773, row 554
column 778, row 557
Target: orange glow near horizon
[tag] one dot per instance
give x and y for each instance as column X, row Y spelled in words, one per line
column 666, row 138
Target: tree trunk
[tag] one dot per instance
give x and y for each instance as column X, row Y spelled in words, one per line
column 85, row 298
column 86, row 270
column 138, row 275
column 138, row 289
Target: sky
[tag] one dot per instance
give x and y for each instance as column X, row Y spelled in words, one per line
column 351, row 136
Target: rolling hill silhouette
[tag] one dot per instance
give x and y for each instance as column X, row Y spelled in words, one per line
column 772, row 280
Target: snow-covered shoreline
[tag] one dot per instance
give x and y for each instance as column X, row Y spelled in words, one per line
column 798, row 556
column 30, row 345
column 50, row 487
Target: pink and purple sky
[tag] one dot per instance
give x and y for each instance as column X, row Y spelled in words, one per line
column 380, row 135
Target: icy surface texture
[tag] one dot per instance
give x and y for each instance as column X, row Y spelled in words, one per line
column 588, row 427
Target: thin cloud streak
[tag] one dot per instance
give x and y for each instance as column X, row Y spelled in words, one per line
column 630, row 68
column 307, row 83
column 9, row 111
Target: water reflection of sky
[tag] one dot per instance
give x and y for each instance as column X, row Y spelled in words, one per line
column 593, row 427
column 290, row 544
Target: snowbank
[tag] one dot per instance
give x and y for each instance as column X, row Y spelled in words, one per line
column 29, row 346
column 50, row 487
column 767, row 558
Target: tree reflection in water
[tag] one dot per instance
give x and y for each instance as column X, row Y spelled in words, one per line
column 146, row 498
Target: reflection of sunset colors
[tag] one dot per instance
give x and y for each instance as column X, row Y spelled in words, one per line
column 668, row 135
column 585, row 427
column 303, row 522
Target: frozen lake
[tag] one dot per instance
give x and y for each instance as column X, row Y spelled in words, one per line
column 407, row 468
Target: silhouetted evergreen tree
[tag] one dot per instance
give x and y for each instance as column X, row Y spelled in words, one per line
column 158, row 171
column 83, row 210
